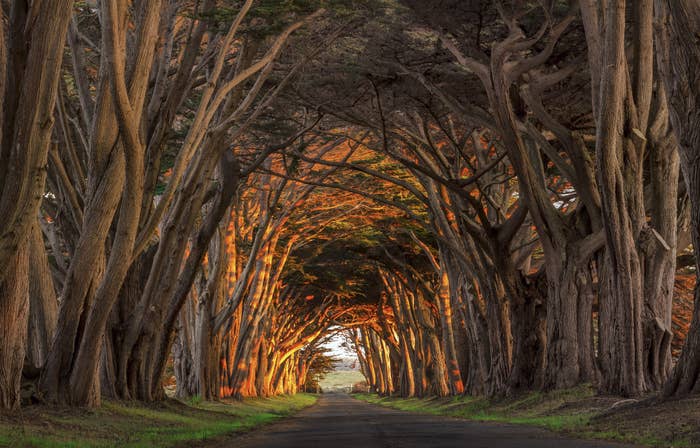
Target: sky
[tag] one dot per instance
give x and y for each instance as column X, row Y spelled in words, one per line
column 347, row 370
column 335, row 345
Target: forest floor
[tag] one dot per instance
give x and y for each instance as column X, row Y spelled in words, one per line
column 166, row 424
column 576, row 412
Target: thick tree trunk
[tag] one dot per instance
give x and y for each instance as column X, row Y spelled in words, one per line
column 43, row 305
column 129, row 296
column 660, row 262
column 476, row 341
column 621, row 339
column 529, row 337
column 29, row 79
column 588, row 368
column 679, row 59
column 569, row 325
column 183, row 354
column 14, row 308
column 498, row 325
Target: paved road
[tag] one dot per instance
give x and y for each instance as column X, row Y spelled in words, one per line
column 338, row 421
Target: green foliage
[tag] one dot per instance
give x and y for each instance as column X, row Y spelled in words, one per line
column 194, row 400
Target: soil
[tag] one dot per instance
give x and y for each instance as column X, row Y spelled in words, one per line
column 672, row 422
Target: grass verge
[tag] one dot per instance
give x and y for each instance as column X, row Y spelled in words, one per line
column 166, row 424
column 574, row 412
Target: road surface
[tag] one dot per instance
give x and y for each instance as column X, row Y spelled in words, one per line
column 339, row 421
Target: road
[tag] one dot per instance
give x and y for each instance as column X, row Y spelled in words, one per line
column 339, row 421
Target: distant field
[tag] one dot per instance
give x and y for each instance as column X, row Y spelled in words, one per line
column 340, row 379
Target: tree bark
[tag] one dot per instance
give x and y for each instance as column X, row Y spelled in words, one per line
column 660, row 244
column 529, row 336
column 679, row 59
column 28, row 88
column 14, row 308
column 43, row 305
column 622, row 301
column 447, row 291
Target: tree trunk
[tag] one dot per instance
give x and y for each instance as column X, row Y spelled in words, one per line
column 499, row 337
column 86, row 269
column 43, row 305
column 29, row 79
column 679, row 59
column 529, row 337
column 14, row 308
column 448, row 290
column 621, row 341
column 569, row 324
column 477, row 343
column 660, row 260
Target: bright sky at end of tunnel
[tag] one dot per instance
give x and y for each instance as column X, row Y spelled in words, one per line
column 347, row 369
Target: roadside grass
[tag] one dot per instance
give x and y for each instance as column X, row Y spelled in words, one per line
column 576, row 412
column 135, row 425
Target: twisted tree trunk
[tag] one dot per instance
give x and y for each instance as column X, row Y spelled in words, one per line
column 32, row 54
column 620, row 144
column 679, row 59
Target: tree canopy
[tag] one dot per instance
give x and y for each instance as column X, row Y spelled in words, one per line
column 485, row 196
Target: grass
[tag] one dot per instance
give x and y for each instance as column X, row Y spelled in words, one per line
column 531, row 409
column 341, row 379
column 575, row 412
column 166, row 424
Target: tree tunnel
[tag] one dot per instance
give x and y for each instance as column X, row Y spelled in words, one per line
column 486, row 198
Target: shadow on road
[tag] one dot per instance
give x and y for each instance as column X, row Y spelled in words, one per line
column 339, row 421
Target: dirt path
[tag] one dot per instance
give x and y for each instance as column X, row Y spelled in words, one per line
column 338, row 421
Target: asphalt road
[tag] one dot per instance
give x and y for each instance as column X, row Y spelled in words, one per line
column 338, row 421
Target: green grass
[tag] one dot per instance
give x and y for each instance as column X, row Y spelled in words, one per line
column 341, row 379
column 530, row 410
column 136, row 425
column 569, row 411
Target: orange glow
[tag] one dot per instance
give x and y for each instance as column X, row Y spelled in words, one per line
column 683, row 300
